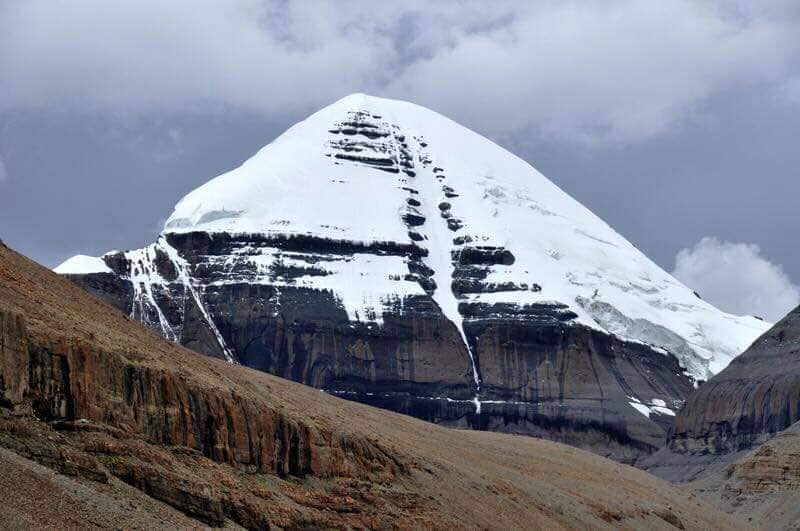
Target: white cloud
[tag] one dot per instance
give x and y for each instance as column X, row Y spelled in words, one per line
column 736, row 278
column 622, row 70
column 3, row 171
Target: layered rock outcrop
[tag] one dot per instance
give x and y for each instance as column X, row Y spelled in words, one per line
column 124, row 398
column 380, row 252
column 71, row 380
column 540, row 373
column 755, row 397
column 759, row 486
column 136, row 431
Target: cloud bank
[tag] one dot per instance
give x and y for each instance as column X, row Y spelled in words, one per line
column 617, row 71
column 736, row 278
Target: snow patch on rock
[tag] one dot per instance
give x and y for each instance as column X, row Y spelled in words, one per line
column 656, row 406
column 366, row 170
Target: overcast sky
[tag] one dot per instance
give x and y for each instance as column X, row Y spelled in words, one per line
column 676, row 121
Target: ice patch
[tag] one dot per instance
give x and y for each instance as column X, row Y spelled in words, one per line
column 646, row 332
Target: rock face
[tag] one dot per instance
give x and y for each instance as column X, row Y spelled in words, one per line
column 755, row 397
column 745, row 405
column 104, row 424
column 69, row 380
column 385, row 254
column 773, row 467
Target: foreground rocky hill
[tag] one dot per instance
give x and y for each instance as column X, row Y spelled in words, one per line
column 383, row 253
column 108, row 425
column 748, row 403
column 736, row 442
column 761, row 486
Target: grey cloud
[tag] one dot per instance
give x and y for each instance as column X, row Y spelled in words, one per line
column 616, row 71
column 670, row 119
column 619, row 71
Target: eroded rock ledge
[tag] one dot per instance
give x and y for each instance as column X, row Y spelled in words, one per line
column 540, row 373
column 755, row 397
column 120, row 409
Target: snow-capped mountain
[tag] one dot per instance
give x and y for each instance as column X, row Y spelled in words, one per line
column 381, row 251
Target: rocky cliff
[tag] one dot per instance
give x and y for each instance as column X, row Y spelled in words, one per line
column 540, row 374
column 103, row 424
column 385, row 254
column 759, row 486
column 755, row 397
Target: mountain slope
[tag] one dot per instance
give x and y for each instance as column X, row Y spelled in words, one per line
column 755, row 397
column 761, row 485
column 384, row 253
column 106, row 403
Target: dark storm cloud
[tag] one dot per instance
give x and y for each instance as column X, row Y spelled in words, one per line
column 684, row 112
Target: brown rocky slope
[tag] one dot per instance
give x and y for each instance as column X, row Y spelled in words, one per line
column 108, row 425
column 760, row 486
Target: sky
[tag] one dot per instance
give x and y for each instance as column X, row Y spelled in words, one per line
column 675, row 121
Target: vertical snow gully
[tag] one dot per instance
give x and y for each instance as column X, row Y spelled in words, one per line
column 475, row 373
column 186, row 280
column 142, row 277
column 440, row 237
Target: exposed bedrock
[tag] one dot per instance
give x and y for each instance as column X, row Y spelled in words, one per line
column 108, row 286
column 304, row 336
column 540, row 373
column 539, row 376
column 573, row 384
column 757, row 396
column 746, row 404
column 65, row 381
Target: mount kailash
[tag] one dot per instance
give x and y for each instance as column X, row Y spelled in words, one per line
column 383, row 253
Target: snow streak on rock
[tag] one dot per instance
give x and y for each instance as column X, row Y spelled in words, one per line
column 144, row 277
column 655, row 407
column 377, row 201
column 185, row 278
column 372, row 140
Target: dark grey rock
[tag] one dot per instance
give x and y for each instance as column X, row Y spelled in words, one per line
column 746, row 404
column 540, row 373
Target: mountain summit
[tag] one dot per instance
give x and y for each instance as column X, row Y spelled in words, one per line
column 382, row 252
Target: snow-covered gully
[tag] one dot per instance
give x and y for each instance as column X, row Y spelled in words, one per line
column 143, row 276
column 411, row 206
column 185, row 278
